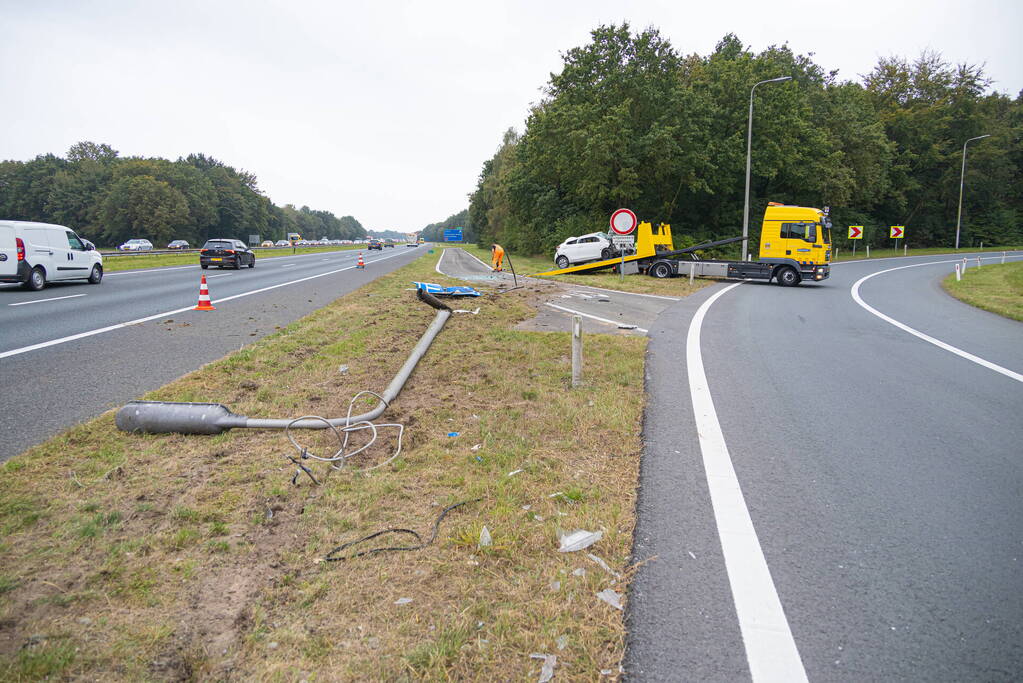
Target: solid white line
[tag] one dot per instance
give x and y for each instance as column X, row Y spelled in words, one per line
column 770, row 648
column 594, row 317
column 855, row 292
column 39, row 301
column 210, row 277
column 289, row 265
column 137, row 321
column 437, row 267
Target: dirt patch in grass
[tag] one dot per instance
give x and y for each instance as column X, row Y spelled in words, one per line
column 996, row 288
column 638, row 284
column 171, row 557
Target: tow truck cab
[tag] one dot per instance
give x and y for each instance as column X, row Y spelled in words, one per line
column 798, row 237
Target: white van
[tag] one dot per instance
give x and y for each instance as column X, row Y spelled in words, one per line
column 36, row 253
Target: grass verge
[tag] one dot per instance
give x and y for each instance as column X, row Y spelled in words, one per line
column 996, row 288
column 639, row 284
column 142, row 260
column 127, row 557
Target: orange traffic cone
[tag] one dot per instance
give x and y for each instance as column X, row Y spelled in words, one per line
column 204, row 297
column 360, row 264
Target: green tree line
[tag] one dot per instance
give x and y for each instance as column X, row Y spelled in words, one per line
column 111, row 199
column 632, row 122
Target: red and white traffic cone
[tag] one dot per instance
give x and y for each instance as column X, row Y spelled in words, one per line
column 361, row 263
column 204, row 297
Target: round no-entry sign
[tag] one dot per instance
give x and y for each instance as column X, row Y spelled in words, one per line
column 623, row 221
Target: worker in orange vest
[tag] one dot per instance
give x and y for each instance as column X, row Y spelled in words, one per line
column 496, row 257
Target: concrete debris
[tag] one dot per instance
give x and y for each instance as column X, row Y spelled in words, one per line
column 485, row 539
column 578, row 540
column 611, row 598
column 561, row 641
column 402, row 601
column 579, row 572
column 513, row 473
column 343, row 369
column 549, row 662
column 603, row 565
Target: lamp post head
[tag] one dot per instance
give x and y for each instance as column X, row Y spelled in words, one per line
column 782, row 78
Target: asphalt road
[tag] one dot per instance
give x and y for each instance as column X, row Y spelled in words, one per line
column 53, row 380
column 882, row 475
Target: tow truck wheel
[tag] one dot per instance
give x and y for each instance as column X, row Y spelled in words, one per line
column 660, row 270
column 788, row 277
column 562, row 261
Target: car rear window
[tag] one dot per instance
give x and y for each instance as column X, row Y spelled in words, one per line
column 218, row 244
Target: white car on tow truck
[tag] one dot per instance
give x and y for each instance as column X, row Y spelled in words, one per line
column 596, row 246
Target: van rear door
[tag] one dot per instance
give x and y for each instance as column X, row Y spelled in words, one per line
column 39, row 250
column 8, row 252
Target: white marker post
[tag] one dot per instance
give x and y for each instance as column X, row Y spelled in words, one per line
column 964, row 264
column 905, row 250
column 1003, row 257
column 868, row 251
column 959, row 275
column 577, row 351
column 692, row 273
column 978, row 261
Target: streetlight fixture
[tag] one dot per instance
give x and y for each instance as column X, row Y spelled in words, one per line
column 749, row 147
column 962, row 178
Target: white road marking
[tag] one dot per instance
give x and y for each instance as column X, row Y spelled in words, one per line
column 437, row 267
column 39, row 301
column 289, row 265
column 770, row 648
column 137, row 321
column 210, row 277
column 594, row 317
column 855, row 292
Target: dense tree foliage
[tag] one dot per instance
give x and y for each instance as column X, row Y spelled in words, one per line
column 434, row 232
column 112, row 199
column 631, row 122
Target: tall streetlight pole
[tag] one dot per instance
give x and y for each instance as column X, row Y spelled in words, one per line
column 749, row 148
column 962, row 178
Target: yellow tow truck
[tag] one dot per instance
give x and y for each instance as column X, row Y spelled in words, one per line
column 795, row 245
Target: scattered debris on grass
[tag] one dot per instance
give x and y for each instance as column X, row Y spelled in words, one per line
column 610, row 597
column 578, row 540
column 549, row 662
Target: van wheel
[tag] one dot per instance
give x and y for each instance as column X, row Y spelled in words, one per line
column 36, row 279
column 562, row 261
column 96, row 276
column 788, row 277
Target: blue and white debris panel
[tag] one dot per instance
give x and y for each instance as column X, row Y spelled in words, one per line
column 438, row 290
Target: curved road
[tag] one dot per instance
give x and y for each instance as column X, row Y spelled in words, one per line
column 875, row 477
column 73, row 350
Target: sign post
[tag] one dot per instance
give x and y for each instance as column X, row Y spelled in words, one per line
column 623, row 222
column 897, row 232
column 855, row 233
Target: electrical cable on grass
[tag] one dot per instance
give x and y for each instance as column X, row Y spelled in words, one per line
column 331, row 556
column 341, row 456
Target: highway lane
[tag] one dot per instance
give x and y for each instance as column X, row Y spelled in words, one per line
column 51, row 388
column 28, row 318
column 882, row 475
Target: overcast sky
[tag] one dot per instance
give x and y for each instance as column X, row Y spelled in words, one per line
column 387, row 112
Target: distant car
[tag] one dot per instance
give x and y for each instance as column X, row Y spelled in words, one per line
column 592, row 247
column 412, row 244
column 266, row 243
column 226, row 252
column 389, row 243
column 136, row 245
column 282, row 243
column 375, row 244
column 178, row 244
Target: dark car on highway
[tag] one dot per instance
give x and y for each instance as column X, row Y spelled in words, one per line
column 178, row 244
column 226, row 252
column 375, row 244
